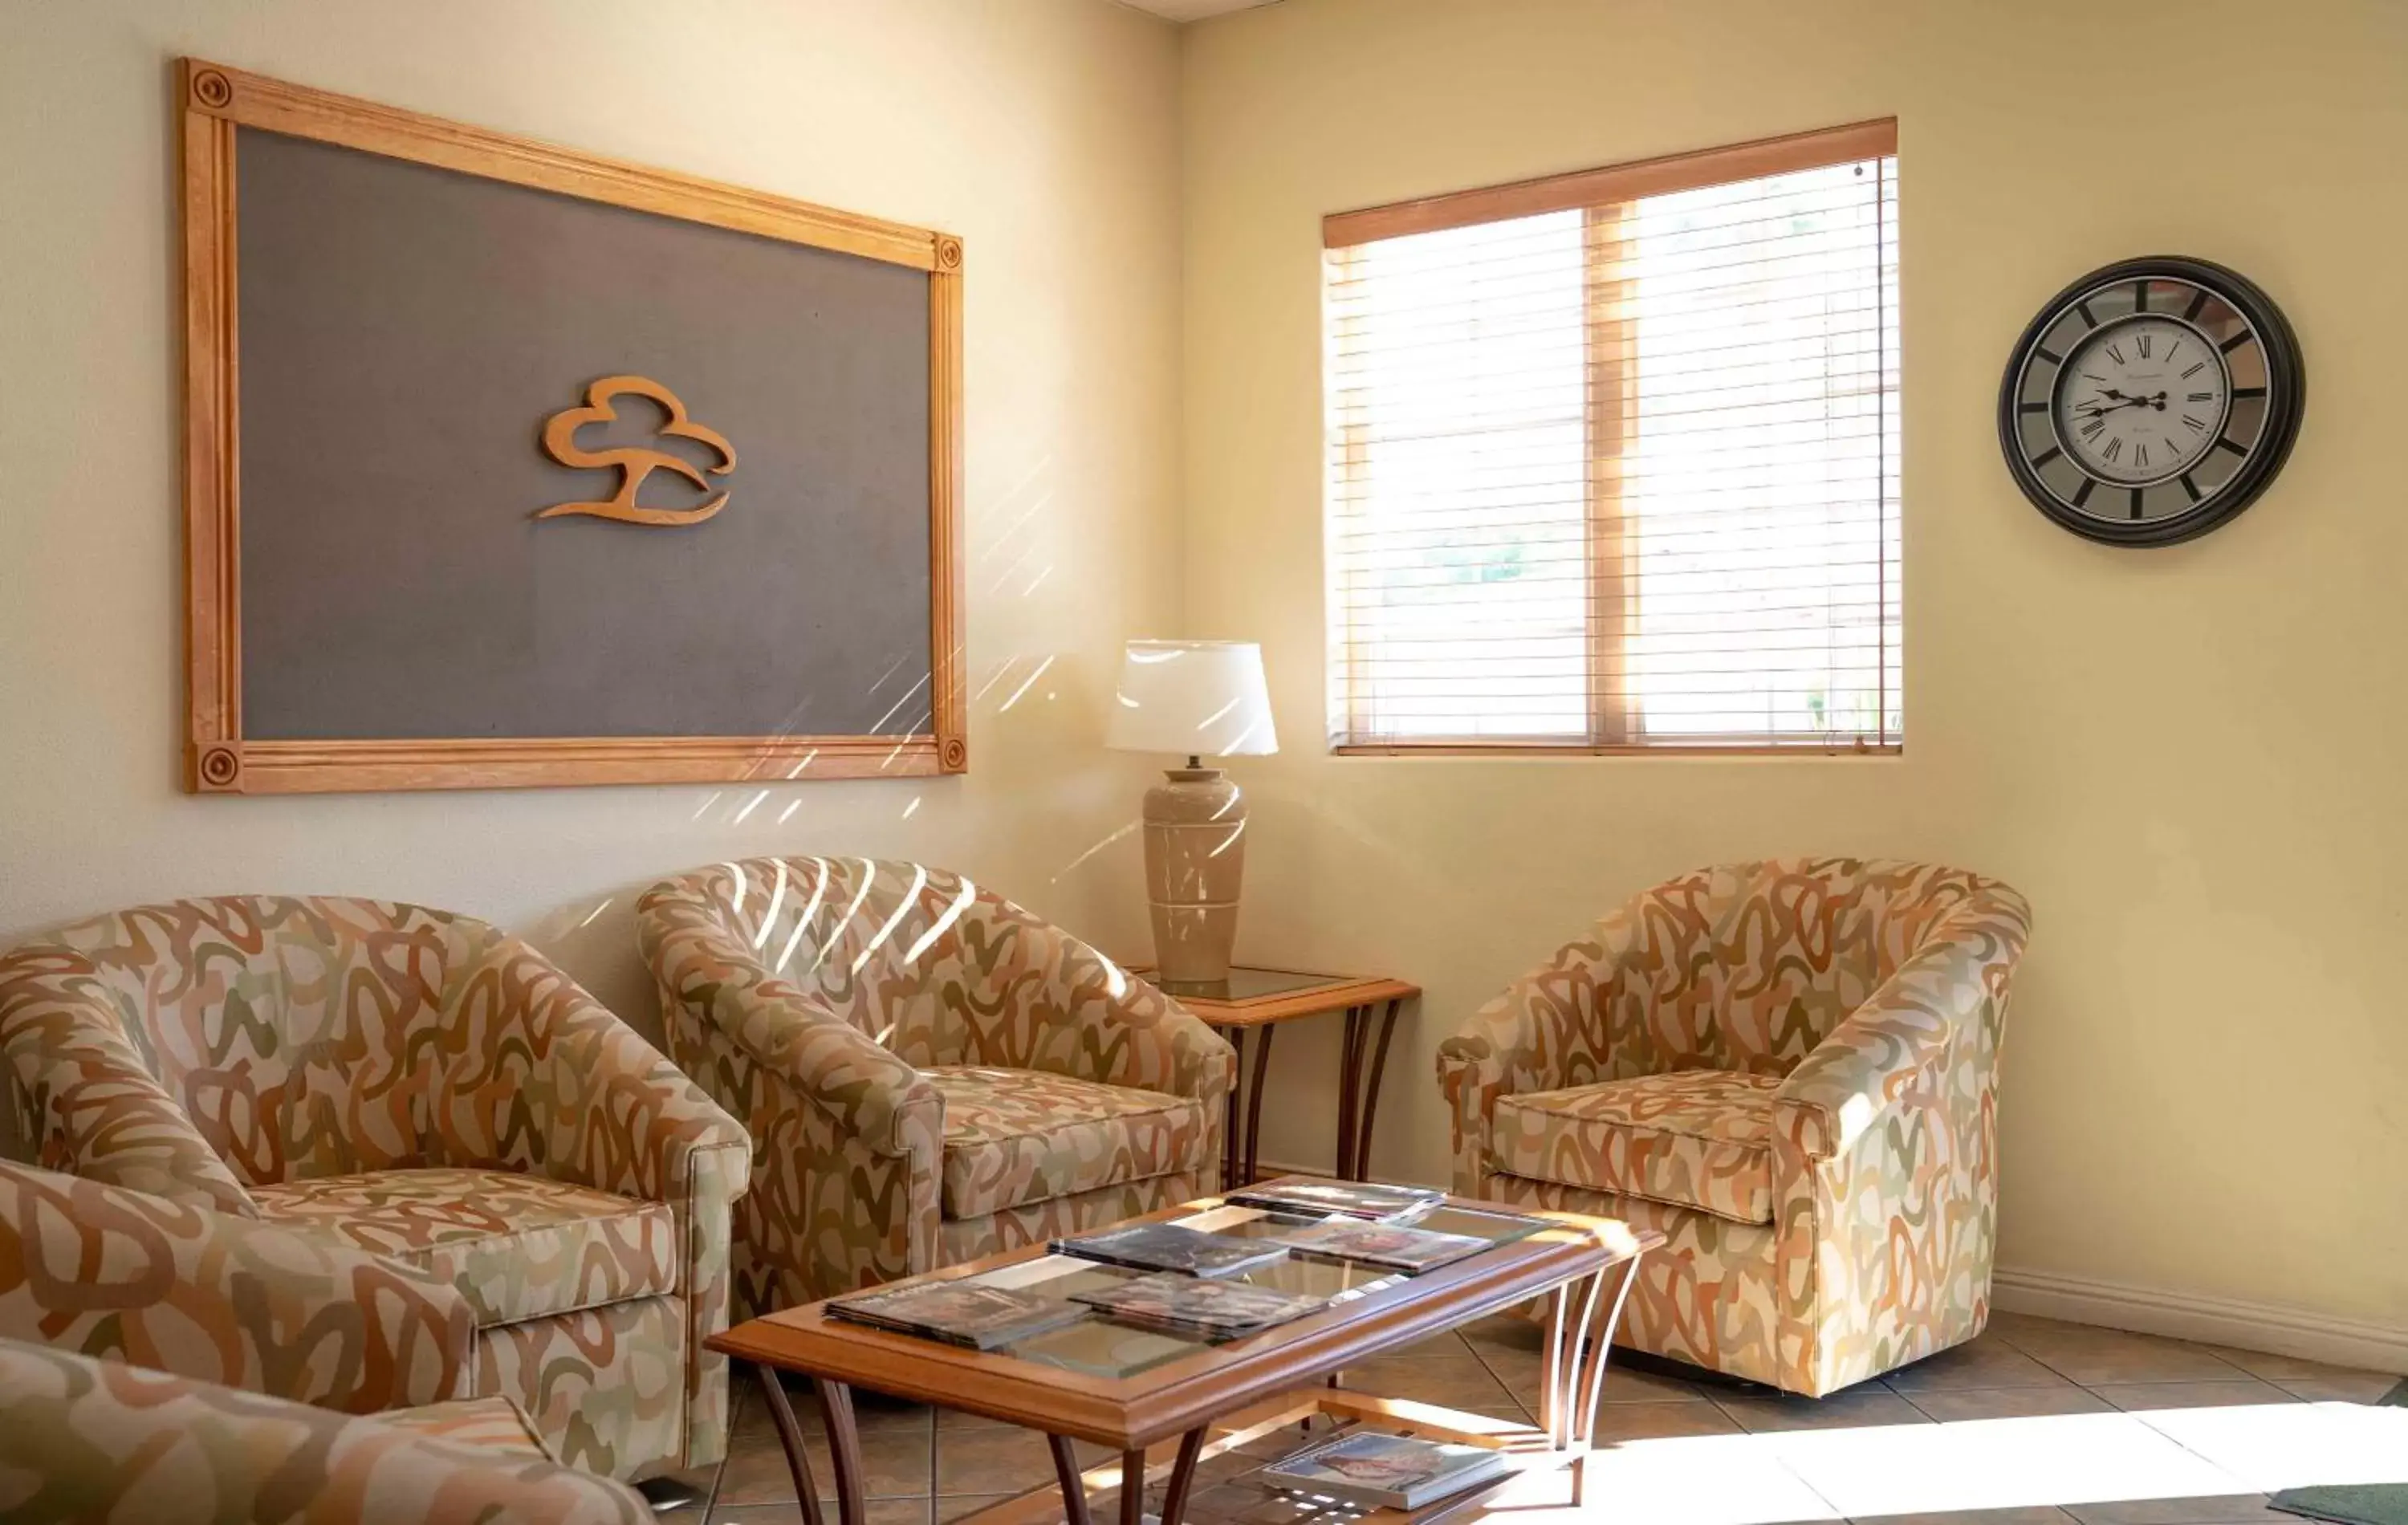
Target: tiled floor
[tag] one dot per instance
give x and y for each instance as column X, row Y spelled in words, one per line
column 2035, row 1423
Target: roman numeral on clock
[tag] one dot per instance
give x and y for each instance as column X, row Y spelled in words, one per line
column 2141, row 342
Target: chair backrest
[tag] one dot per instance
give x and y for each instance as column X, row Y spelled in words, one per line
column 297, row 1033
column 932, row 966
column 1748, row 966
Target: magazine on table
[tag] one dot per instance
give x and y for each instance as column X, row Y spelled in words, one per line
column 1352, row 1198
column 1166, row 1246
column 1393, row 1247
column 1218, row 1310
column 959, row 1311
column 1387, row 1472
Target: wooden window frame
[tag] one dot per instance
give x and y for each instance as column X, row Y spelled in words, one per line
column 218, row 758
column 1599, row 193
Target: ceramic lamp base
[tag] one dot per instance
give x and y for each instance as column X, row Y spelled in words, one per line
column 1195, row 862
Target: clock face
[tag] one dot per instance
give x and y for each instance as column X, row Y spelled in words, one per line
column 2151, row 401
column 2142, row 399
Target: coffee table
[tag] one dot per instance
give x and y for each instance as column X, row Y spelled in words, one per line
column 1164, row 1403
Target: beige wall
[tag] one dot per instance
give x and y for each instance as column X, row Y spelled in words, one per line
column 2183, row 755
column 2188, row 757
column 1042, row 131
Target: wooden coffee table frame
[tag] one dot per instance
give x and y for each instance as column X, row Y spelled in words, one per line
column 1247, row 1388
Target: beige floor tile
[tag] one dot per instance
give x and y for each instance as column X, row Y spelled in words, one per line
column 1449, row 1343
column 2094, row 1356
column 2133, row 1396
column 2348, row 1387
column 2271, row 1446
column 995, row 1461
column 1986, row 1361
column 894, row 1464
column 1659, row 1421
column 2034, row 1515
column 1959, row 1406
column 880, row 1512
column 1450, row 1381
column 1502, row 1333
column 2206, row 1509
column 1523, row 1370
column 2273, row 1367
column 1857, row 1408
column 950, row 1509
column 876, row 1411
column 2009, row 1463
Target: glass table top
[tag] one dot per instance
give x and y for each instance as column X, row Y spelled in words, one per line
column 1245, row 984
column 1100, row 1347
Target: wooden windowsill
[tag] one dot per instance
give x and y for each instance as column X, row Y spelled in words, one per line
column 1585, row 749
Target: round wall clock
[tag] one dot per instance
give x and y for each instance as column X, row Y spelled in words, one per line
column 2151, row 401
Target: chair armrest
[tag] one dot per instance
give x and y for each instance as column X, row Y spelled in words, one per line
column 82, row 1439
column 89, row 1104
column 868, row 1094
column 1897, row 1046
column 114, row 1272
column 1545, row 1031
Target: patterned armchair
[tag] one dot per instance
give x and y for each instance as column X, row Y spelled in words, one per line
column 929, row 1073
column 362, row 1076
column 164, row 1362
column 84, row 1440
column 1791, row 1070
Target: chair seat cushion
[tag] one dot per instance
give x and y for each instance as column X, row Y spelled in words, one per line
column 518, row 1247
column 1697, row 1138
column 1014, row 1137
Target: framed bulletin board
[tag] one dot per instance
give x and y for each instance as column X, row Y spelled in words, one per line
column 508, row 464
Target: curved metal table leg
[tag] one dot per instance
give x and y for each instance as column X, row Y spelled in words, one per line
column 1236, row 1037
column 844, row 1449
column 1577, row 1348
column 1074, row 1486
column 789, row 1437
column 1246, row 1167
column 1359, row 1169
column 1182, row 1475
column 1349, row 1086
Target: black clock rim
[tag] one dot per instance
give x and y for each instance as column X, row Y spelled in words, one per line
column 2286, row 402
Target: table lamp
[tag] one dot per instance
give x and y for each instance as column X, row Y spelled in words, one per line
column 1201, row 699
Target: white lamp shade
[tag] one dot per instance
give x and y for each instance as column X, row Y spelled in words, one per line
column 1204, row 699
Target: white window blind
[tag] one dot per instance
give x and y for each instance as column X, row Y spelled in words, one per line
column 1613, row 458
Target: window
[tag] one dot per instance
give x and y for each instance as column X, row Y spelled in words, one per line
column 1613, row 457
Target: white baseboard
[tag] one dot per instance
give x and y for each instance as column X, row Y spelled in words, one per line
column 2209, row 1320
column 2180, row 1316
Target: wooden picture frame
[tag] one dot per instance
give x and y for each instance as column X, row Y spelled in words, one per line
column 216, row 102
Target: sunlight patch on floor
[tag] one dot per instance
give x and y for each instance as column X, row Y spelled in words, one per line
column 1979, row 1464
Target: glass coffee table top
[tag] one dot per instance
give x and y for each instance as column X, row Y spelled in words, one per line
column 1098, row 1347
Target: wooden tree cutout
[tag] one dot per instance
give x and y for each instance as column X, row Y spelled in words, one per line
column 635, row 462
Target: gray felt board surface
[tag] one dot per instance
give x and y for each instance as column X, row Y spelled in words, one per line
column 406, row 331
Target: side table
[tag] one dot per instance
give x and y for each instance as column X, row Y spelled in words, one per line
column 1252, row 1002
